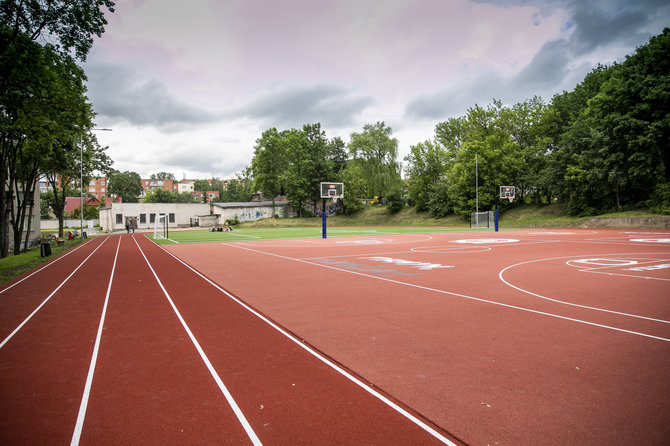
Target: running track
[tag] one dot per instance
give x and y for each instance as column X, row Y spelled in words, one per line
column 176, row 361
column 414, row 339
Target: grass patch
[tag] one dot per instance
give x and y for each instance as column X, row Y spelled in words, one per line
column 15, row 265
column 291, row 233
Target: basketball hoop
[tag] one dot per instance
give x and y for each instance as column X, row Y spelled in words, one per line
column 507, row 192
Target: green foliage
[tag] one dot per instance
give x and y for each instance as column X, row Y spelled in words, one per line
column 376, row 153
column 162, row 176
column 354, row 187
column 127, row 185
column 659, row 202
column 394, row 203
column 201, row 185
column 427, row 164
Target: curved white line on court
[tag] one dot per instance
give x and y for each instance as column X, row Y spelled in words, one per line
column 587, row 307
column 478, row 299
column 219, row 382
column 316, row 354
column 70, row 251
column 2, row 344
column 79, row 425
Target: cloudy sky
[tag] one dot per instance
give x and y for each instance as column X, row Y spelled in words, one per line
column 188, row 86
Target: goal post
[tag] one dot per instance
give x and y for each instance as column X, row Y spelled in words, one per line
column 160, row 227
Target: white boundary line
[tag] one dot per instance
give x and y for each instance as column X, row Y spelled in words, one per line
column 226, row 393
column 317, row 355
column 47, row 265
column 459, row 295
column 2, row 344
column 79, row 425
column 500, row 276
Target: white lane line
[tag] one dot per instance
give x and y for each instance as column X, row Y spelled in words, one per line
column 323, row 359
column 226, row 393
column 49, row 297
column 435, row 290
column 47, row 265
column 94, row 359
column 500, row 276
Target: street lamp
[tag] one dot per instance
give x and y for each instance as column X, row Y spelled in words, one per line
column 476, row 186
column 81, row 182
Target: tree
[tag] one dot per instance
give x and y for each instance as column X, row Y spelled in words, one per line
column 31, row 82
column 127, row 185
column 65, row 24
column 376, row 152
column 269, row 164
column 201, row 185
column 160, row 196
column 427, row 165
column 162, row 176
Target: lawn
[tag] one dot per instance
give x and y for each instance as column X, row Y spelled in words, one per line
column 246, row 234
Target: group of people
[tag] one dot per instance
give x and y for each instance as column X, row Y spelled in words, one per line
column 218, row 228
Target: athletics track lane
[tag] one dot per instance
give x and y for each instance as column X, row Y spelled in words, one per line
column 43, row 366
column 487, row 373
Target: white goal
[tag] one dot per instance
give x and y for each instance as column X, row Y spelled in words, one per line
column 160, row 227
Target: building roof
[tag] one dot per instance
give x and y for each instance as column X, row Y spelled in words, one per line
column 249, row 204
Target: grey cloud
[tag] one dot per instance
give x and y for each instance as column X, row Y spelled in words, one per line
column 594, row 25
column 120, row 94
column 294, row 106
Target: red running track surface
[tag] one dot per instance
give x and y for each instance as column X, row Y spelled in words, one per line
column 170, row 359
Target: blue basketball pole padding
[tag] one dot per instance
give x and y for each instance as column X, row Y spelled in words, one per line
column 495, row 218
column 323, row 218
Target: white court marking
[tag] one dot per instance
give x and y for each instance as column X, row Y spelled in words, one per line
column 487, row 241
column 592, row 257
column 650, row 240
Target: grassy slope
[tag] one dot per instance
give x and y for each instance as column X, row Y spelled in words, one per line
column 526, row 215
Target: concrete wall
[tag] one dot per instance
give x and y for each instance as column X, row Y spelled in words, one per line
column 183, row 213
column 656, row 222
column 252, row 211
column 68, row 223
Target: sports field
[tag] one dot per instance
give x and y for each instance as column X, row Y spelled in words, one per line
column 375, row 335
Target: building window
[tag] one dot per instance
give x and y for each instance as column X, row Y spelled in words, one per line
column 171, row 217
column 152, row 218
column 102, row 183
column 102, row 189
column 92, row 183
column 119, row 219
column 91, row 190
column 143, row 218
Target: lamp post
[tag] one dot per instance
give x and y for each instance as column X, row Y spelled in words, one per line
column 476, row 186
column 81, row 182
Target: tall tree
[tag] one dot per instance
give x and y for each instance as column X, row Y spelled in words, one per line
column 427, row 165
column 127, row 185
column 269, row 164
column 376, row 152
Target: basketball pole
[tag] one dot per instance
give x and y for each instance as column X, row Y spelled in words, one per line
column 323, row 219
column 495, row 218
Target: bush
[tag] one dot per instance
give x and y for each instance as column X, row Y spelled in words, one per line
column 659, row 202
column 394, row 204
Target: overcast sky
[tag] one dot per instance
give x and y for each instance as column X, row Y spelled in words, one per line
column 188, row 86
